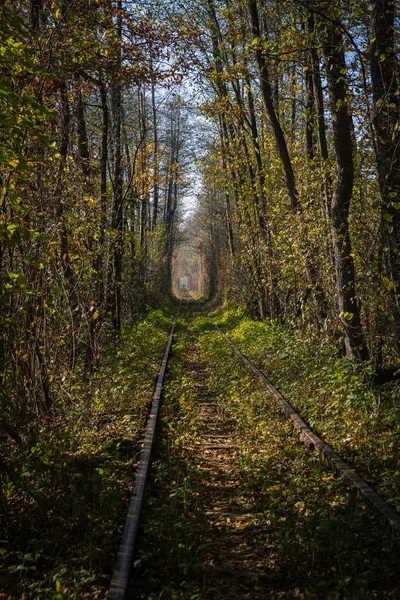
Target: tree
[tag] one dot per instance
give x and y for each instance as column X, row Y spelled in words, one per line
column 386, row 119
column 348, row 306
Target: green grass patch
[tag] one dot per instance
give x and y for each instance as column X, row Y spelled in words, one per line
column 332, row 395
column 314, row 537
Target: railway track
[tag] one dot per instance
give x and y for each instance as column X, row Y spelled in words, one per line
column 313, row 442
column 119, row 583
column 238, row 569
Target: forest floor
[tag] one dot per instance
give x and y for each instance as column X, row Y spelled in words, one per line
column 250, row 513
column 236, row 508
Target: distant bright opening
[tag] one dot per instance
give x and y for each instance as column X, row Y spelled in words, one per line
column 188, row 271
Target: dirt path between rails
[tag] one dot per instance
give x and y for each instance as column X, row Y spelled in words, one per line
column 237, row 509
column 230, row 557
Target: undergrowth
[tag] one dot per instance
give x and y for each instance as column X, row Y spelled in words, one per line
column 65, row 492
column 65, row 488
column 168, row 564
column 299, row 532
column 332, row 394
column 316, row 539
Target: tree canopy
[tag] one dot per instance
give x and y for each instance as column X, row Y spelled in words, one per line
column 281, row 117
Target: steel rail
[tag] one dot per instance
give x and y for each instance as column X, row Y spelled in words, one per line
column 120, row 579
column 312, row 441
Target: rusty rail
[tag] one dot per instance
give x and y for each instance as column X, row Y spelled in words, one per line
column 312, row 441
column 123, row 566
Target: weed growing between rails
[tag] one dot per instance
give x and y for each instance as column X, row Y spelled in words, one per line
column 65, row 494
column 315, row 538
column 331, row 394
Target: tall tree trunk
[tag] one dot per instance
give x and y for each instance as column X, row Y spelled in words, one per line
column 38, row 321
column 386, row 120
column 320, row 126
column 309, row 115
column 155, row 152
column 63, row 151
column 228, row 209
column 248, row 221
column 36, row 10
column 172, row 191
column 349, row 310
column 317, row 90
column 103, row 189
column 144, row 204
column 266, row 92
column 81, row 130
column 117, row 212
column 256, row 217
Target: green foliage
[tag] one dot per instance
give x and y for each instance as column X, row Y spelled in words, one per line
column 332, row 394
column 22, row 116
column 57, row 228
column 285, row 524
column 315, row 538
column 20, row 110
column 66, row 486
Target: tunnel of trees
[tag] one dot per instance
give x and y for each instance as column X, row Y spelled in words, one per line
column 296, row 107
column 251, row 147
column 282, row 118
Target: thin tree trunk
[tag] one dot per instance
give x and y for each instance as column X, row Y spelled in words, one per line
column 63, row 151
column 155, row 154
column 103, row 188
column 143, row 166
column 83, row 142
column 36, row 10
column 349, row 310
column 117, row 213
column 266, row 92
column 224, row 141
column 172, row 193
column 309, row 115
column 317, row 89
